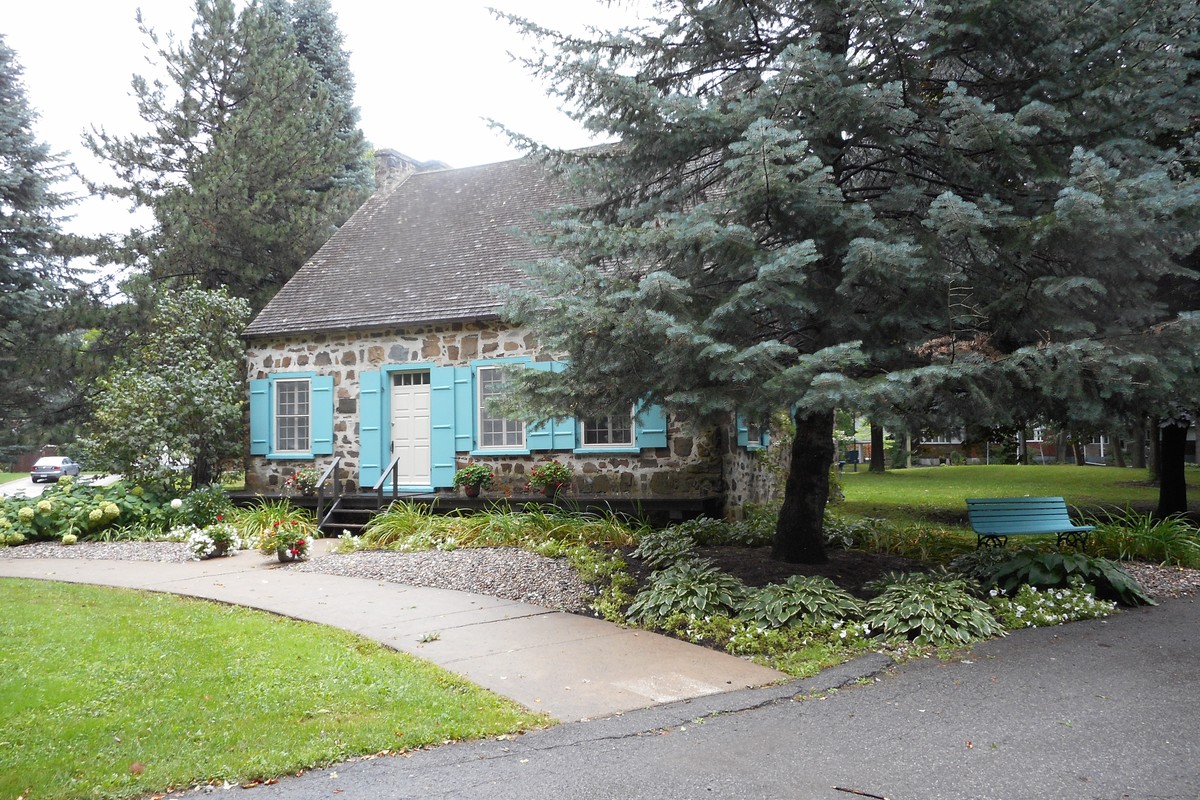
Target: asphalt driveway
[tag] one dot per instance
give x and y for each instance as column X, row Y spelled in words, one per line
column 1103, row 710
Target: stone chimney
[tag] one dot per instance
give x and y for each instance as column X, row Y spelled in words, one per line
column 391, row 168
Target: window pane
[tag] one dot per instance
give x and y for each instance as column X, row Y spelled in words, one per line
column 611, row 431
column 496, row 432
column 292, row 420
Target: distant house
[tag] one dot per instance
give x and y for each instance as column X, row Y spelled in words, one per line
column 383, row 349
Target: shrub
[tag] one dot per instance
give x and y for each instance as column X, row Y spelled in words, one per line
column 801, row 598
column 981, row 564
column 931, row 611
column 694, row 587
column 1029, row 608
column 1055, row 571
column 205, row 506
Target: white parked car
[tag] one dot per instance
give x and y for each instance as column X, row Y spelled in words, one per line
column 51, row 468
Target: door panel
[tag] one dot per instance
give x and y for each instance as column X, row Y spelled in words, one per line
column 410, row 427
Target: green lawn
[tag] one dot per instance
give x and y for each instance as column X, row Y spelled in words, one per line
column 5, row 477
column 108, row 693
column 939, row 493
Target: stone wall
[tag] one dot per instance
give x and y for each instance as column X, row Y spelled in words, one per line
column 752, row 476
column 690, row 466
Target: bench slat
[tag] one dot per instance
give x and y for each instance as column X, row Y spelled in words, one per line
column 999, row 517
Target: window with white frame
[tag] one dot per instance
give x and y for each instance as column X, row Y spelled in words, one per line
column 615, row 430
column 951, row 436
column 293, row 416
column 496, row 433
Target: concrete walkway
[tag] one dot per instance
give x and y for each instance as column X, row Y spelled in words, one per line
column 568, row 666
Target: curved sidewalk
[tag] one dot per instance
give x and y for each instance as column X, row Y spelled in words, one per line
column 568, row 666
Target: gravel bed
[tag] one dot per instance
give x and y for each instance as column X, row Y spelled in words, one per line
column 497, row 571
column 1160, row 581
column 175, row 552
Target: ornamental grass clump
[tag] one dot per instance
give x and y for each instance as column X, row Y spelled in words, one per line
column 1127, row 535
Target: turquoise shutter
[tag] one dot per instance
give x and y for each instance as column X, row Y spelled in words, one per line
column 260, row 417
column 556, row 434
column 650, row 427
column 464, row 409
column 371, row 446
column 442, row 423
column 322, row 415
column 743, row 430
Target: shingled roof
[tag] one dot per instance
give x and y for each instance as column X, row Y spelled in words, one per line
column 432, row 250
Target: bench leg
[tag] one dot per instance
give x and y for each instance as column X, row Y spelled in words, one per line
column 990, row 540
column 1077, row 539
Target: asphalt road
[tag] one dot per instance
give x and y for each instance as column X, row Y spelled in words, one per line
column 26, row 486
column 1101, row 710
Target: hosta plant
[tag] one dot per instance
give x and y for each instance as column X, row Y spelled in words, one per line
column 802, row 598
column 1055, row 571
column 931, row 611
column 693, row 587
column 662, row 548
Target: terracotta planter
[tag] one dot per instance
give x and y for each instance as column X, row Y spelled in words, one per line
column 470, row 491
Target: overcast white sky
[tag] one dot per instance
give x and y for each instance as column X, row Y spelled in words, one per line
column 427, row 73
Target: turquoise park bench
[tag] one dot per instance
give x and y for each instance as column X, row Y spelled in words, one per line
column 994, row 519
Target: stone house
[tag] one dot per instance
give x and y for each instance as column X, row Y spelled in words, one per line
column 384, row 347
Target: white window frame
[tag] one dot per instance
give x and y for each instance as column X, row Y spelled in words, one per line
column 511, row 431
column 590, row 426
column 299, row 414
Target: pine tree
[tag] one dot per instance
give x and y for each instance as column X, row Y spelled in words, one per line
column 252, row 159
column 945, row 211
column 33, row 280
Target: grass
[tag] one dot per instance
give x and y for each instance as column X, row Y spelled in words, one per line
column 939, row 493
column 5, row 477
column 131, row 693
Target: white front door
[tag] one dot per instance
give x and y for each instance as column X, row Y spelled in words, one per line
column 410, row 427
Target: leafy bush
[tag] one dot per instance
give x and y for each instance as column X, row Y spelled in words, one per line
column 1055, row 571
column 661, row 548
column 931, row 611
column 1030, row 608
column 83, row 510
column 755, row 530
column 206, row 506
column 802, row 598
column 1127, row 535
column 694, row 587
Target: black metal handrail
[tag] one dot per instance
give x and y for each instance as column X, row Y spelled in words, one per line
column 331, row 471
column 393, row 469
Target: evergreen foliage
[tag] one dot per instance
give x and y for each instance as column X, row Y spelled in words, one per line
column 251, row 156
column 33, row 281
column 178, row 397
column 932, row 212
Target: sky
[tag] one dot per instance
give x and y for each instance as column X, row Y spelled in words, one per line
column 427, row 74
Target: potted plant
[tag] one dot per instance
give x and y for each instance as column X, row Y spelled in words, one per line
column 213, row 540
column 550, row 477
column 302, row 481
column 474, row 477
column 279, row 528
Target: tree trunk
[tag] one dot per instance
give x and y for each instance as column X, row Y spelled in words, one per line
column 1139, row 445
column 878, row 457
column 1022, row 447
column 1118, row 446
column 1155, row 465
column 1172, row 484
column 1060, row 448
column 1080, row 454
column 799, row 533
